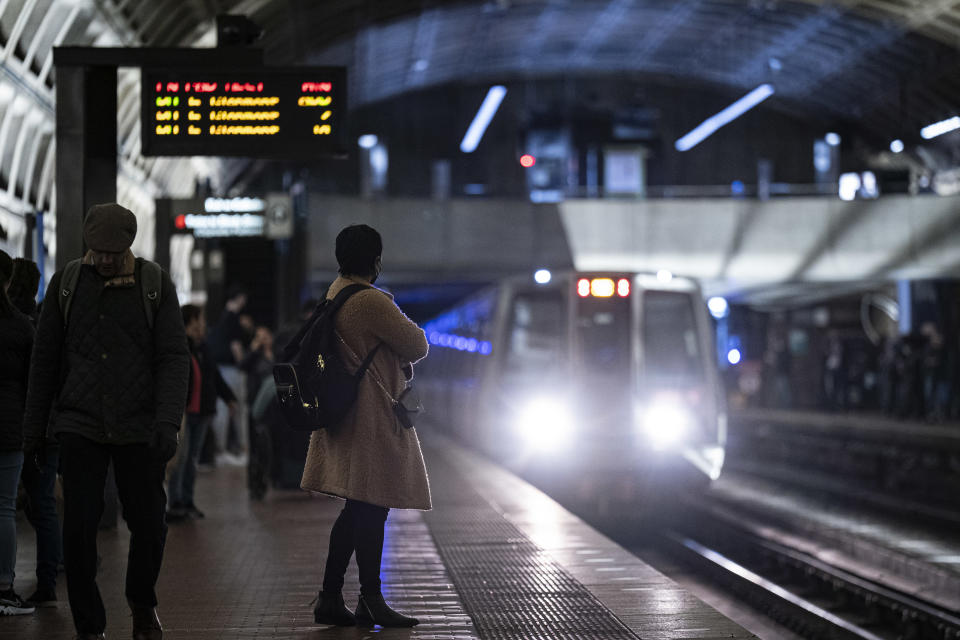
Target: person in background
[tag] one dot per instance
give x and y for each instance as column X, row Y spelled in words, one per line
column 368, row 459
column 23, row 287
column 257, row 366
column 228, row 341
column 206, row 385
column 117, row 371
column 39, row 480
column 16, row 344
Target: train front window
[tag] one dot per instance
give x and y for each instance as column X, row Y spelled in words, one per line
column 604, row 335
column 535, row 340
column 670, row 345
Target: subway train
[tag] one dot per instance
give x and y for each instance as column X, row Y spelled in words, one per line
column 597, row 384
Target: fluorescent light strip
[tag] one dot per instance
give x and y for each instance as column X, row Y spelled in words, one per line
column 484, row 115
column 728, row 115
column 940, row 128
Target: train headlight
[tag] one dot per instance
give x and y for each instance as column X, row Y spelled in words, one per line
column 545, row 422
column 666, row 423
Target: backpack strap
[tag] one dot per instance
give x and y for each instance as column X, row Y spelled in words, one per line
column 345, row 293
column 294, row 345
column 151, row 284
column 68, row 285
column 367, row 361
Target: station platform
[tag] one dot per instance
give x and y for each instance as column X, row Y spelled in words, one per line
column 496, row 558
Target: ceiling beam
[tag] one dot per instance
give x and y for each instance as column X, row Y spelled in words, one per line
column 678, row 15
column 840, row 225
column 787, row 43
column 943, row 231
column 599, row 32
column 744, row 223
column 421, row 49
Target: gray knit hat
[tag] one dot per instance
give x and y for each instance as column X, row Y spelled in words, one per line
column 109, row 227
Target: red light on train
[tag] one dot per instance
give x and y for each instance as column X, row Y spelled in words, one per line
column 583, row 287
column 180, row 222
column 527, row 161
column 623, row 287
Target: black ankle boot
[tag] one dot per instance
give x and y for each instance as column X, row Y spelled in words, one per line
column 331, row 610
column 372, row 609
column 146, row 624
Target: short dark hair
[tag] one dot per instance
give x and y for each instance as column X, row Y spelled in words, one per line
column 6, row 267
column 23, row 285
column 190, row 313
column 6, row 270
column 358, row 247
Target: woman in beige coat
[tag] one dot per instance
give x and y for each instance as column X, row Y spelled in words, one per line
column 369, row 459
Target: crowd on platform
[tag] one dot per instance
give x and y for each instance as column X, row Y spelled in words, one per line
column 909, row 377
column 112, row 390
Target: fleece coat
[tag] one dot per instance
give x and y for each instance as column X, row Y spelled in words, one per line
column 369, row 456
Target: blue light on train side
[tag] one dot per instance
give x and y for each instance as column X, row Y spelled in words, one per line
column 460, row 343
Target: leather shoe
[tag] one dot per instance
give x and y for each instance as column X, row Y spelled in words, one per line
column 331, row 610
column 373, row 609
column 146, row 624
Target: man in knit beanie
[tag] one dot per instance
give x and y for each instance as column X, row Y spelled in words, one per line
column 111, row 353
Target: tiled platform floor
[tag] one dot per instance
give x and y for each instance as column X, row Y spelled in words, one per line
column 250, row 570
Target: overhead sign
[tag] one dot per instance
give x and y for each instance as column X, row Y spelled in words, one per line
column 259, row 113
column 271, row 217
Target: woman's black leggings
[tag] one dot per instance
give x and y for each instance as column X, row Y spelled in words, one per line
column 359, row 527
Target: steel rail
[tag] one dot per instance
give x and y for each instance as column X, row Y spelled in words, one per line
column 905, row 612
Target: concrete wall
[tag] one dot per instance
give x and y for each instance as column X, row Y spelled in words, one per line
column 742, row 242
column 451, row 240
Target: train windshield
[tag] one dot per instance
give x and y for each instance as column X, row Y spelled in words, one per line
column 604, row 336
column 670, row 345
column 536, row 333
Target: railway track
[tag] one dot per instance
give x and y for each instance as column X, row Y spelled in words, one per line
column 807, row 594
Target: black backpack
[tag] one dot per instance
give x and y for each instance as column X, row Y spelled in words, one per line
column 314, row 388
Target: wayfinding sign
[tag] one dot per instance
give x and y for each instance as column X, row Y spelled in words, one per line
column 259, row 112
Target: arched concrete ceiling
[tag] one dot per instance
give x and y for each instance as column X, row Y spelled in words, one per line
column 890, row 64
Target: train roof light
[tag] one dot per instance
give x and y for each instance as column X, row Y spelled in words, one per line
column 623, row 287
column 734, row 356
column 583, row 287
column 601, row 287
column 664, row 275
column 542, row 276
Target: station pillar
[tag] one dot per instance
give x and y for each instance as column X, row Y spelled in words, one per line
column 86, row 156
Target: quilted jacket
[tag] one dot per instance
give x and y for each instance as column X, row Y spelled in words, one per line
column 369, row 456
column 106, row 375
column 16, row 341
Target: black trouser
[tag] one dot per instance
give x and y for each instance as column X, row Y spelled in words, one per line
column 359, row 527
column 139, row 474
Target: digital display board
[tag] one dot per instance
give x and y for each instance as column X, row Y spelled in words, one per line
column 259, row 113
